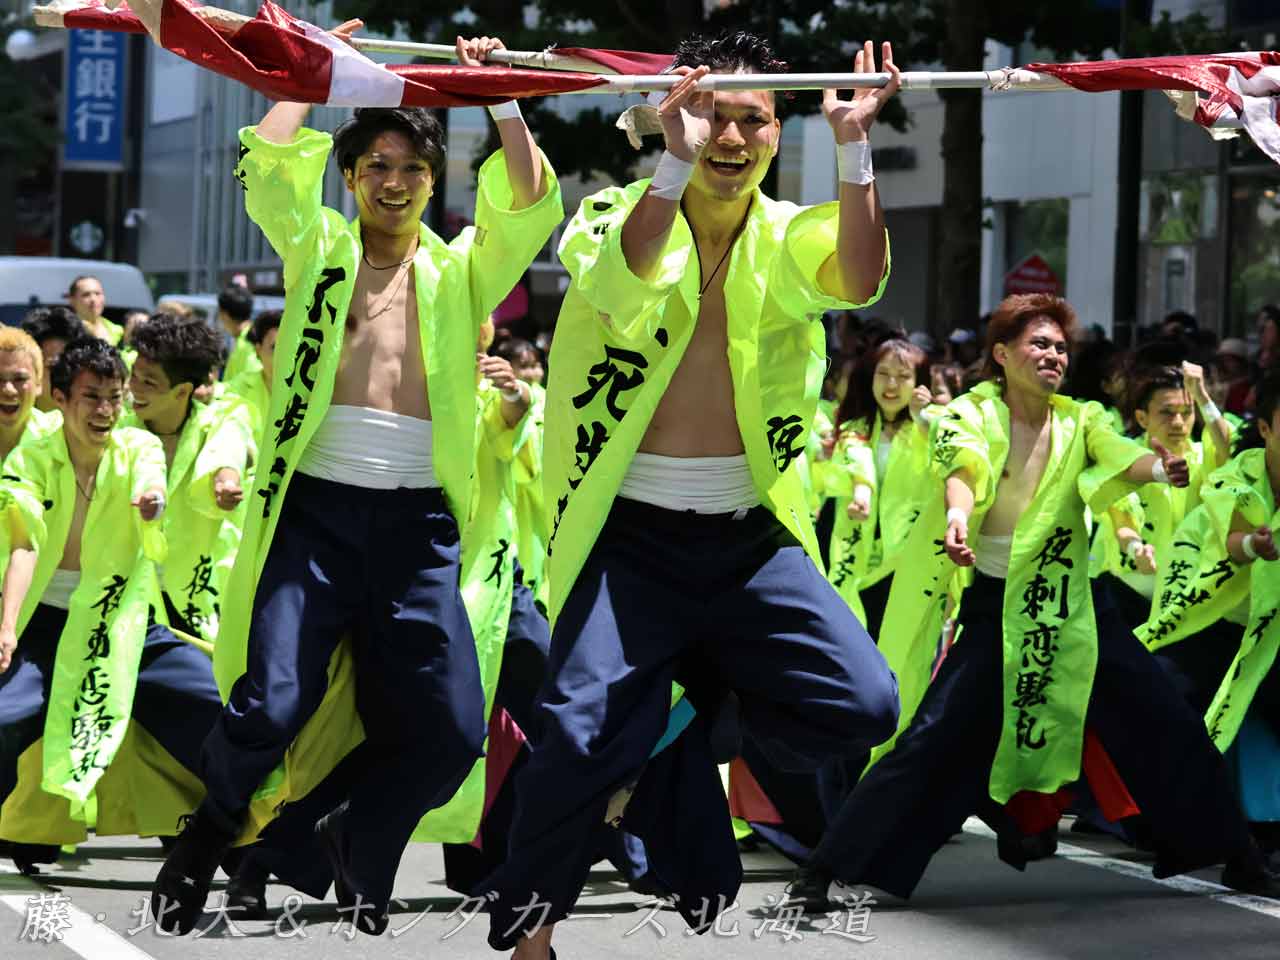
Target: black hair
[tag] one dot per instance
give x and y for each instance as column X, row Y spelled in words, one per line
column 1147, row 381
column 71, row 290
column 1091, row 367
column 1270, row 311
column 354, row 136
column 1266, row 401
column 513, row 348
column 1183, row 319
column 54, row 323
column 859, row 395
column 187, row 349
column 729, row 52
column 237, row 301
column 263, row 324
column 86, row 353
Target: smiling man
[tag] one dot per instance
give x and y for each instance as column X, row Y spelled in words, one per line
column 208, row 451
column 81, row 505
column 687, row 359
column 353, row 523
column 1041, row 647
column 21, row 381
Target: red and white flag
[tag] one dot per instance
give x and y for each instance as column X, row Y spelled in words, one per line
column 285, row 58
column 1222, row 92
column 289, row 59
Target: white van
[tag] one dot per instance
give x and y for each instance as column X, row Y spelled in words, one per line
column 27, row 282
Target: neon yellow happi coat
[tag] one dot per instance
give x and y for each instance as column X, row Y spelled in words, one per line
column 619, row 340
column 863, row 553
column 456, row 286
column 487, row 579
column 813, row 468
column 251, row 388
column 1050, row 638
column 96, row 666
column 532, row 523
column 203, row 538
column 243, row 359
column 1200, row 584
column 1156, row 509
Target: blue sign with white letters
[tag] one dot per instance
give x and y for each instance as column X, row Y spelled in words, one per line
column 95, row 98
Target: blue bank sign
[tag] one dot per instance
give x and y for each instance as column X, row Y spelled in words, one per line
column 95, row 86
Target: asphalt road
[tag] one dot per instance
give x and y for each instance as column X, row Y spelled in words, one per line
column 1095, row 900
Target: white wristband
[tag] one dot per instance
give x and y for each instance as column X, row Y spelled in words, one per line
column 853, row 161
column 670, row 177
column 1211, row 413
column 1133, row 548
column 954, row 514
column 1246, row 545
column 1158, row 472
column 510, row 110
column 514, row 395
column 160, row 505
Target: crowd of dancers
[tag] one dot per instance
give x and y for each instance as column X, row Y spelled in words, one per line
column 362, row 581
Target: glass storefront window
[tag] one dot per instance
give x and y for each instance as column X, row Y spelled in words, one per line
column 1255, row 248
column 1180, row 248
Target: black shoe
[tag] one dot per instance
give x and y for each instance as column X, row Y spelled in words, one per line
column 367, row 916
column 247, row 891
column 808, row 889
column 182, row 885
column 26, row 856
column 1017, row 849
column 648, row 885
column 1249, row 876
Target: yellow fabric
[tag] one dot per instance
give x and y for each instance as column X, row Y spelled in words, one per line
column 619, row 340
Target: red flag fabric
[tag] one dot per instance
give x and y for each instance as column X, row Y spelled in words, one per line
column 285, row 58
column 1218, row 91
column 622, row 61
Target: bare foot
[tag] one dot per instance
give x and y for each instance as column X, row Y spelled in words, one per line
column 535, row 947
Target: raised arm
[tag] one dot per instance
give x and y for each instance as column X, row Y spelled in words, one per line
column 524, row 163
column 283, row 121
column 854, row 272
column 686, row 116
column 1216, row 427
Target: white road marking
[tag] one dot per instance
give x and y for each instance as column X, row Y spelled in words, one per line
column 1141, row 871
column 87, row 935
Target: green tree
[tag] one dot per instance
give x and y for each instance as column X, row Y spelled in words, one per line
column 814, row 35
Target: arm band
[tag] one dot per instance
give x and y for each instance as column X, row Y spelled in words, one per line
column 1246, row 545
column 862, row 495
column 954, row 514
column 1211, row 413
column 670, row 177
column 509, row 110
column 1158, row 472
column 513, row 396
column 1133, row 548
column 853, row 161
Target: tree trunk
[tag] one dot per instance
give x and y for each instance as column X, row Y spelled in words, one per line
column 960, row 247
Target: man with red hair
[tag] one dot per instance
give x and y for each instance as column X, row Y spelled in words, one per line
column 1041, row 649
